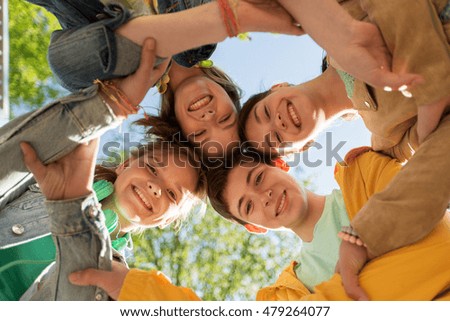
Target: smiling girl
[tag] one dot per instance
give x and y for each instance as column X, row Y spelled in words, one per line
column 155, row 187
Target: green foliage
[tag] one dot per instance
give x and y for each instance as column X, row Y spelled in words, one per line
column 31, row 82
column 218, row 259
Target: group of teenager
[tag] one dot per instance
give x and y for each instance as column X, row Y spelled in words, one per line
column 385, row 235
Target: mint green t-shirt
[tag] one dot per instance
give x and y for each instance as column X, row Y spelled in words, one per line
column 318, row 258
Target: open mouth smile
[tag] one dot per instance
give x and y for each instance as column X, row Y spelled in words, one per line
column 200, row 103
column 295, row 119
column 143, row 200
column 282, row 201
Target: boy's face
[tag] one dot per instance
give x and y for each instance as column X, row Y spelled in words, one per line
column 265, row 196
column 147, row 186
column 206, row 115
column 284, row 117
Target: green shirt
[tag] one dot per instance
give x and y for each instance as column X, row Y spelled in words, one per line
column 20, row 265
column 318, row 258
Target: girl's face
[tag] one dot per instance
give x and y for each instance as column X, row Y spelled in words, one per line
column 285, row 116
column 265, row 196
column 146, row 187
column 206, row 115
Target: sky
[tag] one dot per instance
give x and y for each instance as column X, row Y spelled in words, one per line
column 268, row 59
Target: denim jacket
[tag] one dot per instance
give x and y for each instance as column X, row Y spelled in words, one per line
column 78, row 230
column 89, row 25
column 53, row 131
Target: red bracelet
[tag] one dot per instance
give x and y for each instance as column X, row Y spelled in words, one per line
column 118, row 97
column 229, row 16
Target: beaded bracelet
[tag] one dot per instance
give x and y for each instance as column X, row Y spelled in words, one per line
column 349, row 230
column 118, row 97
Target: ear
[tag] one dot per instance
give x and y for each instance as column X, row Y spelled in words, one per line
column 122, row 166
column 255, row 229
column 278, row 86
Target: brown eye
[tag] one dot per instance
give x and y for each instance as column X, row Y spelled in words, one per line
column 224, row 119
column 258, row 178
column 151, row 169
column 172, row 195
column 278, row 136
column 248, row 207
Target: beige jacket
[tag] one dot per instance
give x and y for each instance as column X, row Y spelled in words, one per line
column 417, row 198
column 419, row 44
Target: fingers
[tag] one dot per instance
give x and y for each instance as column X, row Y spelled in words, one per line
column 32, row 161
column 110, row 281
column 350, row 281
column 148, row 59
column 99, row 278
column 147, row 73
column 351, row 260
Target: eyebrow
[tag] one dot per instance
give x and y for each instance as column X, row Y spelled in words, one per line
column 249, row 175
column 256, row 116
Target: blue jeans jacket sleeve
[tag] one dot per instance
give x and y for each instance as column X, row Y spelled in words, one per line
column 53, row 131
column 82, row 241
column 104, row 55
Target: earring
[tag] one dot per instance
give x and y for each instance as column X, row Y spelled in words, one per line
column 162, row 83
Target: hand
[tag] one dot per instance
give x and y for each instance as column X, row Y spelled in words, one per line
column 69, row 177
column 351, row 238
column 352, row 258
column 110, row 281
column 366, row 57
column 136, row 85
column 266, row 16
column 429, row 116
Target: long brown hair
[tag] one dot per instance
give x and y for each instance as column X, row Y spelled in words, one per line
column 245, row 111
column 166, row 125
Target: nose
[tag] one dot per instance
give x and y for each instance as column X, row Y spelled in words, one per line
column 280, row 123
column 208, row 114
column 266, row 197
column 155, row 189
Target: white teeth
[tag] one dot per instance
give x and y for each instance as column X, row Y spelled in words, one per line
column 283, row 199
column 294, row 117
column 202, row 102
column 142, row 197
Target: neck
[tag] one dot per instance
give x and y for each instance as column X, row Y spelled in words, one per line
column 315, row 205
column 124, row 225
column 178, row 74
column 328, row 92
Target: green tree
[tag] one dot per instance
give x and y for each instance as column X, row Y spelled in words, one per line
column 31, row 83
column 218, row 259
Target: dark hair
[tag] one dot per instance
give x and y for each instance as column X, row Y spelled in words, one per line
column 217, row 179
column 166, row 125
column 324, row 63
column 245, row 111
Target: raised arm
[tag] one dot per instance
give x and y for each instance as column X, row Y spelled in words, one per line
column 173, row 32
column 357, row 47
